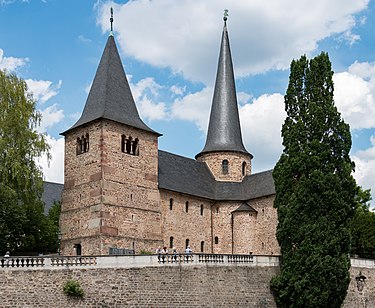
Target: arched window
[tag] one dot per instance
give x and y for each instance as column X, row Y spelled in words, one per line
column 171, row 242
column 201, row 209
column 202, row 246
column 79, row 141
column 187, row 206
column 187, row 243
column 135, row 147
column 216, row 240
column 244, row 168
column 171, row 204
column 130, row 146
column 82, row 144
column 225, row 166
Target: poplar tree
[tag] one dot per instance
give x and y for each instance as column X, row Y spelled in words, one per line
column 315, row 191
column 21, row 182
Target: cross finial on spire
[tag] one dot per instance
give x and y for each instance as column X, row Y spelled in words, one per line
column 111, row 21
column 226, row 14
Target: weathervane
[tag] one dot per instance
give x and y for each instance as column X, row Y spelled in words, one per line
column 111, row 20
column 226, row 14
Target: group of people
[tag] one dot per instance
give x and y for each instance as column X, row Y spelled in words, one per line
column 163, row 252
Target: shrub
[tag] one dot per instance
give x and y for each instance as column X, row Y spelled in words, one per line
column 73, row 288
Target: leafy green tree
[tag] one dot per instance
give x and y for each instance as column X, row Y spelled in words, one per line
column 20, row 176
column 315, row 191
column 363, row 226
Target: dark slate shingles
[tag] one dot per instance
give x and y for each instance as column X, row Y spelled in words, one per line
column 52, row 192
column 224, row 130
column 110, row 96
column 188, row 176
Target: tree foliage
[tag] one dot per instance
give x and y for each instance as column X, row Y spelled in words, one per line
column 23, row 226
column 363, row 226
column 315, row 191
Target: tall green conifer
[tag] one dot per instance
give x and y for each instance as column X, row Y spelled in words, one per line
column 315, row 191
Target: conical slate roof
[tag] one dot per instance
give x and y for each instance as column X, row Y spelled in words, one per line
column 224, row 130
column 110, row 96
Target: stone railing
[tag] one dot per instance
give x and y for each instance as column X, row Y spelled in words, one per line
column 129, row 261
column 136, row 260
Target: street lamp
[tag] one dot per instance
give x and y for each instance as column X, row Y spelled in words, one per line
column 59, row 236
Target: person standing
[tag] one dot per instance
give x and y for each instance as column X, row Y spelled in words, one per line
column 6, row 256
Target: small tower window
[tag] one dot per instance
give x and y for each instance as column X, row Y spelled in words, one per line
column 187, row 243
column 171, row 242
column 225, row 166
column 130, row 145
column 171, row 204
column 216, row 240
column 202, row 246
column 244, row 168
column 187, row 206
column 82, row 144
column 201, row 209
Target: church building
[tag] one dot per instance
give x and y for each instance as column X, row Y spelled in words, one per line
column 122, row 192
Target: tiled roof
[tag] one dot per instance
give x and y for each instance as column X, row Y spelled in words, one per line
column 224, row 130
column 110, row 96
column 188, row 176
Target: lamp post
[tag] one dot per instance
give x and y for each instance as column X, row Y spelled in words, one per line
column 59, row 236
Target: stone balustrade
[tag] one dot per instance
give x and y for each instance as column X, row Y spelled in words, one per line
column 131, row 261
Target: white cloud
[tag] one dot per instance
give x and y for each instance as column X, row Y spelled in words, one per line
column 43, row 90
column 185, row 35
column 266, row 115
column 194, row 107
column 176, row 90
column 11, row 63
column 355, row 93
column 146, row 94
column 54, row 171
column 50, row 116
column 365, row 168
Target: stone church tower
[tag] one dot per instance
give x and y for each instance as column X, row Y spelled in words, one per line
column 110, row 196
column 121, row 191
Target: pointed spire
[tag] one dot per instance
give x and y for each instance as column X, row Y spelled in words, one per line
column 110, row 96
column 224, row 130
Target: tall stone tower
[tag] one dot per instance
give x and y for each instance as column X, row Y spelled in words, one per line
column 233, row 219
column 224, row 152
column 110, row 197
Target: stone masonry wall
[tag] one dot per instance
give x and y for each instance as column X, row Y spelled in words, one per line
column 194, row 225
column 109, row 193
column 164, row 286
column 235, row 160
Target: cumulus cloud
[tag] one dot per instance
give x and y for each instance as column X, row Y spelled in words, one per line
column 50, row 116
column 43, row 90
column 146, row 95
column 11, row 63
column 266, row 115
column 185, row 35
column 54, row 170
column 365, row 168
column 194, row 107
column 354, row 95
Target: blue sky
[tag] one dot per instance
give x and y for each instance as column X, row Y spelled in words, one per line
column 170, row 50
